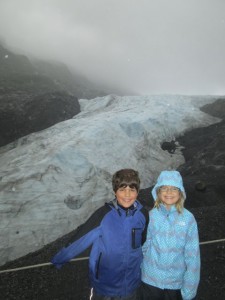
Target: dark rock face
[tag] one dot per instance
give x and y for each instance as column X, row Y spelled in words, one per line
column 216, row 110
column 169, row 146
column 23, row 113
column 204, row 170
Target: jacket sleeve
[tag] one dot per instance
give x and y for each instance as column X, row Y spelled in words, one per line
column 192, row 260
column 84, row 237
column 77, row 247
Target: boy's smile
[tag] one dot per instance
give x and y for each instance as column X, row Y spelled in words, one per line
column 126, row 196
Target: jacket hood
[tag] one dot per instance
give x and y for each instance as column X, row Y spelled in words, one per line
column 171, row 178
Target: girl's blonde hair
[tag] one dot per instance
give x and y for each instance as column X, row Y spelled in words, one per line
column 179, row 204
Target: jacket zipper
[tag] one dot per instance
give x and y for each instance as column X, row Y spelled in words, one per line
column 98, row 263
column 133, row 238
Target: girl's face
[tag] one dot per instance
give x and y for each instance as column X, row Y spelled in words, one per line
column 126, row 196
column 169, row 195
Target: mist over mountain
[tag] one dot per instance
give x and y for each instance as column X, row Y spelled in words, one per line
column 29, row 74
column 36, row 94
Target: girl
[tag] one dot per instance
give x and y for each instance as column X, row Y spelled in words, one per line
column 171, row 264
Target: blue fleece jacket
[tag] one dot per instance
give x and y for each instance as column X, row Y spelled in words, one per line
column 115, row 236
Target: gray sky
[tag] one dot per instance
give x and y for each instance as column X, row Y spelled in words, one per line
column 148, row 46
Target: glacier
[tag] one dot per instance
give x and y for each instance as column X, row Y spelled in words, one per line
column 52, row 181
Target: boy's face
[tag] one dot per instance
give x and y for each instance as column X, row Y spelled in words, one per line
column 126, row 196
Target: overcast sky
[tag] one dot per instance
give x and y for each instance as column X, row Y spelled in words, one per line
column 146, row 46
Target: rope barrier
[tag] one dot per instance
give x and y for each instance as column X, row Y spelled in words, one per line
column 39, row 265
column 212, row 242
column 84, row 258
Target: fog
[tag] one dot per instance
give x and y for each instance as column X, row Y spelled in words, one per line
column 143, row 46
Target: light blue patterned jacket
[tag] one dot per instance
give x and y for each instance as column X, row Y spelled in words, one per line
column 171, row 251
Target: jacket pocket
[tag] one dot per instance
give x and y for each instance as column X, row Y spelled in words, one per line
column 97, row 266
column 136, row 237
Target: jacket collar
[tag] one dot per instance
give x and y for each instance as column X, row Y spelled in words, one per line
column 130, row 211
column 166, row 211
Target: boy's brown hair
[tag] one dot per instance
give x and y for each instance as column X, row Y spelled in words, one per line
column 126, row 177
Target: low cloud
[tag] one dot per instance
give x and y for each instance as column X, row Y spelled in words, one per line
column 150, row 47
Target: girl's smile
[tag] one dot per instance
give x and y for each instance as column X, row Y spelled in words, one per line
column 169, row 195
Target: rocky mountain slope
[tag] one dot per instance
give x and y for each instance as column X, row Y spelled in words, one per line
column 36, row 94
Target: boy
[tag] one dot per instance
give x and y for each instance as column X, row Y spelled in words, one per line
column 116, row 232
